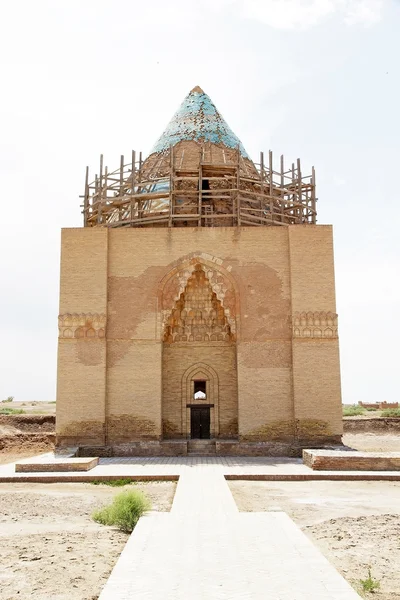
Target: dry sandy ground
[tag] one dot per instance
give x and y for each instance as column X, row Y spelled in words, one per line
column 19, row 453
column 52, row 550
column 355, row 524
column 32, row 408
column 370, row 442
column 50, row 547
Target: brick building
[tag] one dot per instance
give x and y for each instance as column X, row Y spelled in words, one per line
column 197, row 303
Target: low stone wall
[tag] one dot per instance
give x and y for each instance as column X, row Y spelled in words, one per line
column 335, row 460
column 180, row 448
column 67, row 465
column 380, row 425
column 232, row 448
column 151, row 448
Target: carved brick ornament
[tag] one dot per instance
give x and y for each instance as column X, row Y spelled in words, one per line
column 198, row 314
column 83, row 326
column 220, row 285
column 315, row 325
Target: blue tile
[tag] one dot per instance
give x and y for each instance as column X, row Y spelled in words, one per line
column 198, row 119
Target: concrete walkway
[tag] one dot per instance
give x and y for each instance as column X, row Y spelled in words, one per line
column 205, row 549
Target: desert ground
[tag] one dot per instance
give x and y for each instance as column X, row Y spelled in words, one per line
column 36, row 407
column 371, row 442
column 356, row 525
column 50, row 547
column 52, row 550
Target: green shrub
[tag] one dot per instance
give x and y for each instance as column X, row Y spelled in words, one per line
column 11, row 411
column 124, row 512
column 353, row 410
column 9, row 399
column 370, row 408
column 370, row 584
column 391, row 412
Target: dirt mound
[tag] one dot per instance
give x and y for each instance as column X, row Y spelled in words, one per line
column 25, row 435
column 381, row 425
column 28, row 423
column 37, row 442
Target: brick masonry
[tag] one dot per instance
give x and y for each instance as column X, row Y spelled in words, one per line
column 122, row 380
column 333, row 460
column 58, row 466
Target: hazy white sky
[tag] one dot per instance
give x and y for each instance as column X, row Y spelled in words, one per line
column 319, row 79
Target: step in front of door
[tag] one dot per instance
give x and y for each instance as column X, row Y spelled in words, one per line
column 201, row 447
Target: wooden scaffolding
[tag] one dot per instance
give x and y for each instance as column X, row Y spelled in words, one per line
column 164, row 192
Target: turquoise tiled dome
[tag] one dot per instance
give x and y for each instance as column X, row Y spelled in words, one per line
column 198, row 119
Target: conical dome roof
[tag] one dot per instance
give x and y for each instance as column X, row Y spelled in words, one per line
column 198, row 174
column 197, row 119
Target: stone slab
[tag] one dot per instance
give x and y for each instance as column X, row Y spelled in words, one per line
column 336, row 460
column 59, row 466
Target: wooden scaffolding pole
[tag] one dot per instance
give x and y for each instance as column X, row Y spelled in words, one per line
column 313, row 198
column 238, row 186
column 171, row 185
column 271, row 185
column 282, row 188
column 133, row 184
column 200, row 198
column 86, row 199
column 121, row 184
column 299, row 193
column 100, row 191
column 261, row 183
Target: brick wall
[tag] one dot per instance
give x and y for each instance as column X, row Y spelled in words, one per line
column 133, row 401
column 129, row 279
column 216, row 364
column 316, row 369
column 81, row 371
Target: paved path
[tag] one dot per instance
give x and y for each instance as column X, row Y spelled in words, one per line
column 267, row 468
column 205, row 549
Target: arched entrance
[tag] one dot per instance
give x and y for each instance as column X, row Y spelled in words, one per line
column 199, row 363
column 200, row 402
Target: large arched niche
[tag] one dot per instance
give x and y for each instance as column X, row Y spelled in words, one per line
column 222, row 283
column 198, row 314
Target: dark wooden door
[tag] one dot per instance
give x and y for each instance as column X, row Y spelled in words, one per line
column 200, row 423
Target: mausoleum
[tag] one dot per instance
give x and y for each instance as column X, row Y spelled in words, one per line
column 197, row 303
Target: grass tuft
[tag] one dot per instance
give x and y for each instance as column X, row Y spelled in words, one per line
column 114, row 482
column 391, row 412
column 124, row 512
column 353, row 410
column 12, row 411
column 370, row 585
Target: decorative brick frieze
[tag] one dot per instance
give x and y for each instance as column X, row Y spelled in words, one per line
column 315, row 325
column 82, row 326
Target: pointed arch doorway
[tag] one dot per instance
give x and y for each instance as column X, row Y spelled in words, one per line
column 200, row 402
column 199, row 365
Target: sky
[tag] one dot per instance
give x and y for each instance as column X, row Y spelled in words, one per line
column 315, row 79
